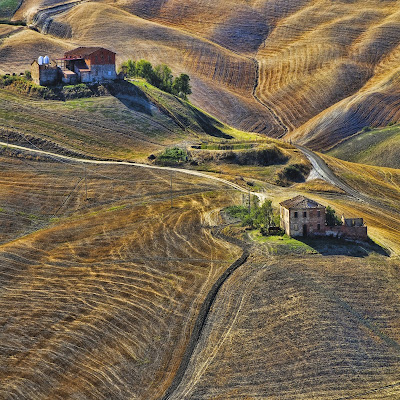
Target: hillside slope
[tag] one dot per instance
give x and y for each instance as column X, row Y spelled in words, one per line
column 99, row 296
column 376, row 146
column 306, row 328
column 134, row 121
column 316, row 71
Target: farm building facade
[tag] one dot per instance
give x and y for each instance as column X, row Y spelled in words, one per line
column 303, row 217
column 83, row 64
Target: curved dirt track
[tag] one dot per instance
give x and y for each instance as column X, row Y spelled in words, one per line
column 134, row 164
column 205, row 310
column 328, row 175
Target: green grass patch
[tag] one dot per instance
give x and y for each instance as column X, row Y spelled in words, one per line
column 379, row 146
column 8, row 8
column 282, row 244
column 117, row 208
column 172, row 156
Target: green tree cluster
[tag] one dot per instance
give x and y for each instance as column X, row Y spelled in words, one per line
column 331, row 218
column 159, row 76
column 257, row 217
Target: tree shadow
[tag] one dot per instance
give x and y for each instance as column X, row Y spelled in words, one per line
column 329, row 246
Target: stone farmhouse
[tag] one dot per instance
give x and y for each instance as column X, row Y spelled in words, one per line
column 83, row 64
column 303, row 217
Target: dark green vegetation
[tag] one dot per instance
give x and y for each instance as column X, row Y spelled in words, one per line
column 375, row 147
column 7, row 10
column 23, row 84
column 257, row 216
column 331, row 218
column 172, row 156
column 242, row 154
column 159, row 76
column 130, row 121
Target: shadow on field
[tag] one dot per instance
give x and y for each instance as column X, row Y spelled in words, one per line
column 207, row 124
column 339, row 247
column 131, row 97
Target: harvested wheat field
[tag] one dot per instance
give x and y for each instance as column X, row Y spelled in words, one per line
column 130, row 124
column 310, row 328
column 99, row 297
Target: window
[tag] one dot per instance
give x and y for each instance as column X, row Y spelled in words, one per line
column 319, row 227
column 295, row 214
column 296, row 227
column 305, row 214
column 319, row 213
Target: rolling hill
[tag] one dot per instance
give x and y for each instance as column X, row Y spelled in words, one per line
column 108, row 288
column 315, row 72
column 303, row 330
column 372, row 146
column 114, row 279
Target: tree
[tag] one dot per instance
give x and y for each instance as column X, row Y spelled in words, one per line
column 144, row 69
column 181, row 86
column 163, row 77
column 131, row 68
column 331, row 217
column 264, row 216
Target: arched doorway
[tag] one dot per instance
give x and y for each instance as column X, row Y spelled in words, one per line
column 305, row 229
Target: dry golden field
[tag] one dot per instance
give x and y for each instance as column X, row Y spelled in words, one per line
column 120, row 126
column 98, row 297
column 307, row 328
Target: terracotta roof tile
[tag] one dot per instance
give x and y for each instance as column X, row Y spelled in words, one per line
column 83, row 51
column 301, row 202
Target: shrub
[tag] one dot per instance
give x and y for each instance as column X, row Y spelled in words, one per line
column 331, row 218
column 76, row 91
column 159, row 76
column 172, row 156
column 181, row 86
column 264, row 157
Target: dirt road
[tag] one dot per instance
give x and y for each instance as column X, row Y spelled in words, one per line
column 261, row 196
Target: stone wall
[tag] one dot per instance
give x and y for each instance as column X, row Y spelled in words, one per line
column 303, row 222
column 101, row 73
column 45, row 74
column 347, row 232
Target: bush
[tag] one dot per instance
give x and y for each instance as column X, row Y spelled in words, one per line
column 331, row 218
column 76, row 91
column 260, row 217
column 264, row 157
column 172, row 156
